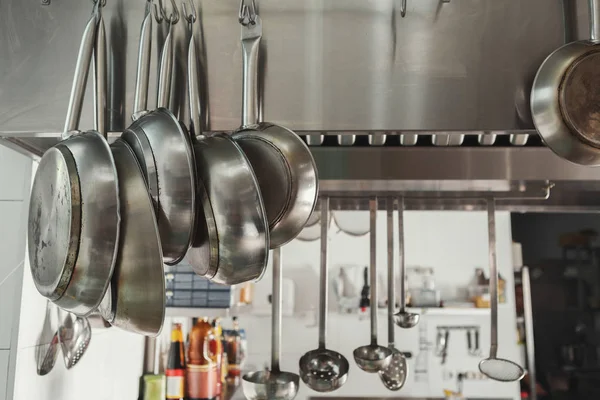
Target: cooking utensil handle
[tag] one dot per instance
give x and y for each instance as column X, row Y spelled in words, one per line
column 323, row 292
column 373, row 269
column 390, row 262
column 100, row 77
column 276, row 317
column 594, row 6
column 250, row 109
column 82, row 67
column 491, row 211
column 194, row 89
column 140, row 103
column 401, row 258
column 166, row 70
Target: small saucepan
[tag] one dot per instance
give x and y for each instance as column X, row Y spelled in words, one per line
column 163, row 149
column 283, row 164
column 565, row 97
column 74, row 211
column 231, row 244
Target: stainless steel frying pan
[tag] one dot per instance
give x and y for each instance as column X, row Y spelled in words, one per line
column 231, row 245
column 283, row 164
column 135, row 300
column 566, row 94
column 74, row 211
column 164, row 151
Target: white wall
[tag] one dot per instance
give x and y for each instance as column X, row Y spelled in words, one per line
column 110, row 369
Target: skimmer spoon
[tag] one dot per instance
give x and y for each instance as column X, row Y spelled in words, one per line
column 324, row 370
column 394, row 375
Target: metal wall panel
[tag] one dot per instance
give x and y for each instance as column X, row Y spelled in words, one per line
column 328, row 65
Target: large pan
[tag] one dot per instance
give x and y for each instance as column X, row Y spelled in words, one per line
column 284, row 166
column 135, row 300
column 232, row 235
column 163, row 150
column 566, row 94
column 74, row 219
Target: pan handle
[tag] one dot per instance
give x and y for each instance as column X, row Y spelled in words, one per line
column 194, row 88
column 251, row 36
column 82, row 67
column 594, row 6
column 100, row 77
column 140, row 103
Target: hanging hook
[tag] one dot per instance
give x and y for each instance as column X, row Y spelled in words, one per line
column 247, row 14
column 99, row 3
column 403, row 9
column 189, row 17
column 159, row 11
column 174, row 17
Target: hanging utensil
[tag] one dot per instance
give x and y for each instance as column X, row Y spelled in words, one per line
column 74, row 216
column 404, row 318
column 284, row 165
column 274, row 384
column 394, row 375
column 563, row 101
column 74, row 336
column 495, row 368
column 135, row 300
column 372, row 357
column 46, row 348
column 231, row 244
column 161, row 145
column 324, row 370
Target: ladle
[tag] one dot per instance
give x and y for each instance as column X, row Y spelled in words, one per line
column 493, row 367
column 74, row 336
column 394, row 375
column 404, row 318
column 372, row 358
column 273, row 384
column 324, row 370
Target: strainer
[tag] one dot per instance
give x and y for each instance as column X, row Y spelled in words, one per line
column 324, row 370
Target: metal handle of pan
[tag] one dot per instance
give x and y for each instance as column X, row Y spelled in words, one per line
column 100, row 77
column 251, row 37
column 594, row 6
column 324, row 276
column 82, row 66
column 276, row 311
column 140, row 103
column 194, row 88
column 165, row 79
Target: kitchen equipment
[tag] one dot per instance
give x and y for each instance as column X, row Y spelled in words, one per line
column 441, row 342
column 74, row 209
column 394, row 375
column 272, row 384
column 473, row 342
column 324, row 370
column 353, row 223
column 74, row 336
column 162, row 148
column 563, row 103
column 493, row 367
column 284, row 166
column 135, row 299
column 372, row 357
column 231, row 244
column 403, row 318
column 46, row 348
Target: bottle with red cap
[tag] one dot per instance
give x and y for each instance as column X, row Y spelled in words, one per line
column 175, row 371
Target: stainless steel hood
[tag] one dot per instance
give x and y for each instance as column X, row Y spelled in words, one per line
column 450, row 73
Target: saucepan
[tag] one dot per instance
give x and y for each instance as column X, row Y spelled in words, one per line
column 74, row 212
column 565, row 97
column 283, row 163
column 231, row 244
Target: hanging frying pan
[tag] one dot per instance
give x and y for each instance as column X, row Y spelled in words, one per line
column 162, row 148
column 283, row 164
column 566, row 94
column 231, row 245
column 74, row 211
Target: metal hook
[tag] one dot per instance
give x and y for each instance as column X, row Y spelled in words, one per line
column 403, row 9
column 247, row 14
column 158, row 14
column 172, row 19
column 100, row 4
column 189, row 17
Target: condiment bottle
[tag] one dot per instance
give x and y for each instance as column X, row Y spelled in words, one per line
column 201, row 370
column 175, row 371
